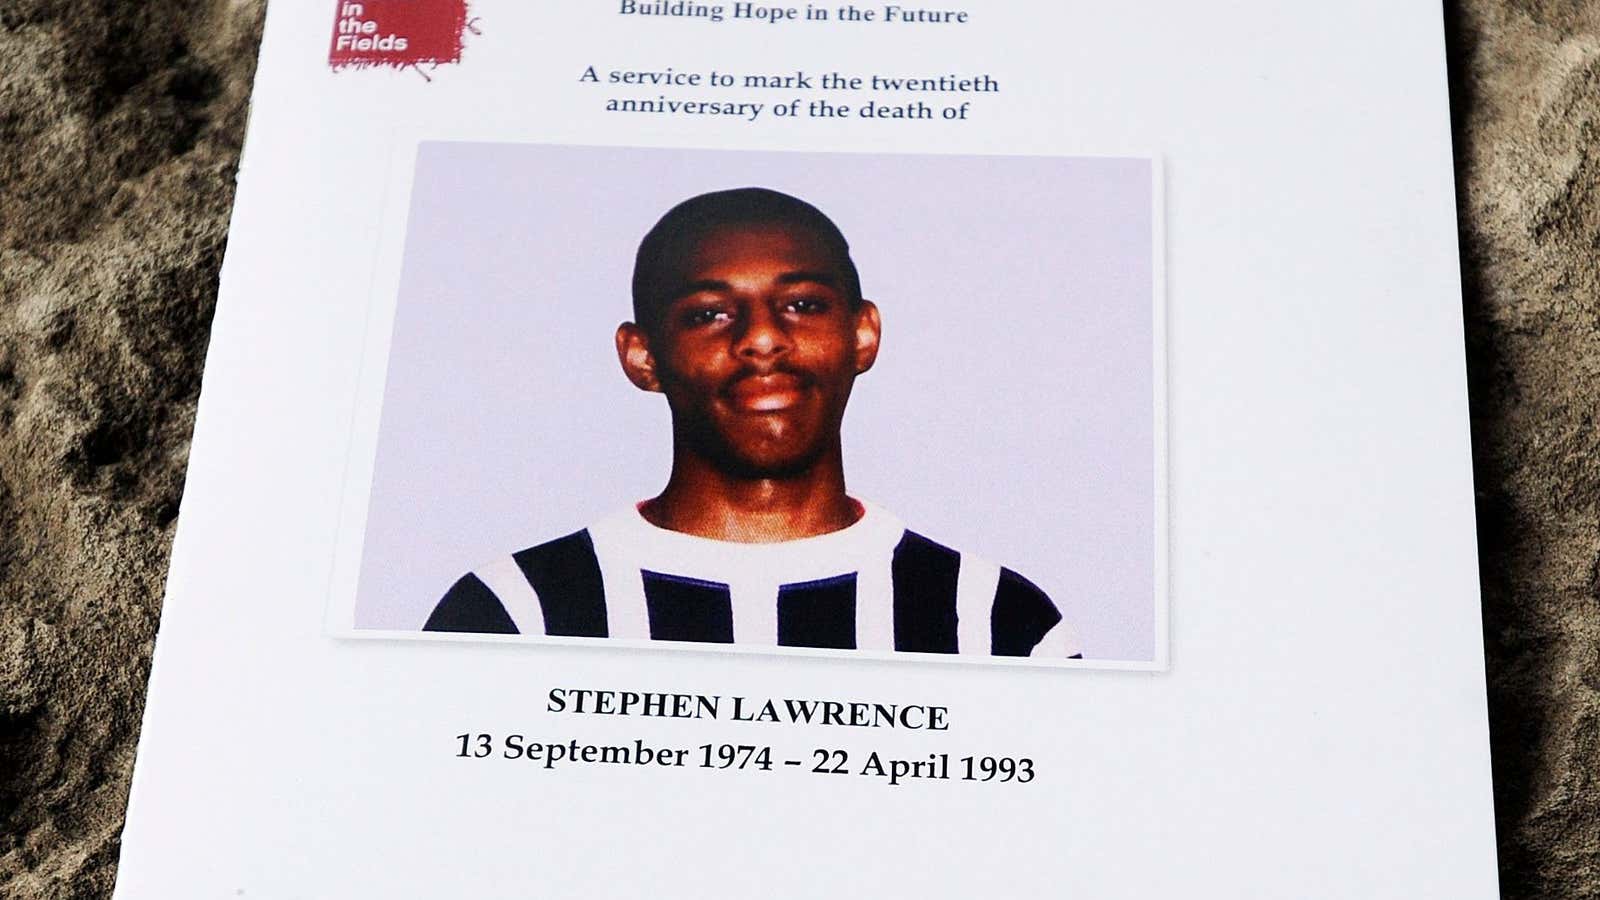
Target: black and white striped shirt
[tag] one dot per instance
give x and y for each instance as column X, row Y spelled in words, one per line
column 872, row 586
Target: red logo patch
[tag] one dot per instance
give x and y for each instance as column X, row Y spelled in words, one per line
column 397, row 33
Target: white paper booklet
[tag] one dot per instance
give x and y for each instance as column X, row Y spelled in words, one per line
column 750, row 450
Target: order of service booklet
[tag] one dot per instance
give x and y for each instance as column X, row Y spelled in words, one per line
column 663, row 448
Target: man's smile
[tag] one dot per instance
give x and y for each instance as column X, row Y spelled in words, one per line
column 770, row 392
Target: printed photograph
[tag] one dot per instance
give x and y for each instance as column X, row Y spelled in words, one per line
column 901, row 406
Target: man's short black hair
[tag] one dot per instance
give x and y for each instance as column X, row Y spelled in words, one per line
column 686, row 224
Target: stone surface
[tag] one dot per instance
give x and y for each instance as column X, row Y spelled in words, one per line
column 1526, row 92
column 120, row 126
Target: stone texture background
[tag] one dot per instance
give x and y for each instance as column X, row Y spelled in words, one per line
column 120, row 126
column 1525, row 85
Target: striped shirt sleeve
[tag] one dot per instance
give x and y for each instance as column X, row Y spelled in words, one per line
column 1022, row 617
column 469, row 606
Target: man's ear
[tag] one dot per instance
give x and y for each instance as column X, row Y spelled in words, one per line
column 869, row 329
column 633, row 351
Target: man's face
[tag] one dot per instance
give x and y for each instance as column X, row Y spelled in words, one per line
column 756, row 349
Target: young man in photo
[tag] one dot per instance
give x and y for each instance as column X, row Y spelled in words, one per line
column 749, row 320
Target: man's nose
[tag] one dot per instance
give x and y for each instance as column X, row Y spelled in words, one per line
column 764, row 333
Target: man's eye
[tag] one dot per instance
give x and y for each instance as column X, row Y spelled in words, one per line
column 705, row 316
column 808, row 305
